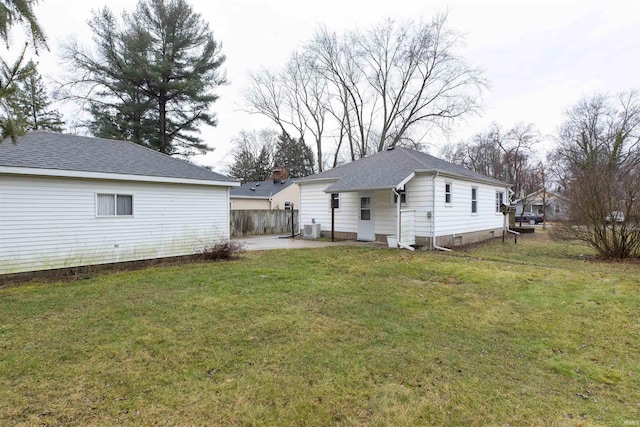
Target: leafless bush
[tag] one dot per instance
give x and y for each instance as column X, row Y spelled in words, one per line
column 222, row 251
column 599, row 161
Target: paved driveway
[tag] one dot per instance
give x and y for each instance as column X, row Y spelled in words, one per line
column 260, row 243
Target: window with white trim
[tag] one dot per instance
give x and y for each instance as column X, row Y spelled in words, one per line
column 474, row 199
column 403, row 197
column 114, row 204
column 447, row 192
column 499, row 201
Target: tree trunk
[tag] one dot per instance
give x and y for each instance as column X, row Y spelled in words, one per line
column 163, row 145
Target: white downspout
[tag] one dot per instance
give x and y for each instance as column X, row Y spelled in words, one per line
column 433, row 216
column 395, row 192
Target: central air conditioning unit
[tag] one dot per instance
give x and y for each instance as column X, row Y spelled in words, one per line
column 311, row 231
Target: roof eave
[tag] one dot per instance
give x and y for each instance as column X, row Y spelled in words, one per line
column 354, row 190
column 63, row 173
column 397, row 186
column 441, row 172
column 404, row 181
column 231, row 196
column 316, row 180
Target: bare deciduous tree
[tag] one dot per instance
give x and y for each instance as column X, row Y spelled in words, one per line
column 294, row 98
column 507, row 156
column 375, row 89
column 598, row 160
column 481, row 154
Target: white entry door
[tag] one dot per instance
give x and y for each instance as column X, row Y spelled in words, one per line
column 366, row 230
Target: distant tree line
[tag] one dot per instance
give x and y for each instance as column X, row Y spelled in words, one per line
column 258, row 153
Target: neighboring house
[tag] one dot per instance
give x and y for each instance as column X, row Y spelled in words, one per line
column 68, row 201
column 556, row 205
column 266, row 195
column 441, row 204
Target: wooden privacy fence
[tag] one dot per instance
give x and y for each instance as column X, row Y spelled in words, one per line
column 256, row 222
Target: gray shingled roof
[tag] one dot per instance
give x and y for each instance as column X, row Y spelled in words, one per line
column 49, row 150
column 387, row 169
column 261, row 189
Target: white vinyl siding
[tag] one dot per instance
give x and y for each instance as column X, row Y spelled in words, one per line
column 420, row 196
column 48, row 223
column 459, row 219
column 315, row 205
column 384, row 212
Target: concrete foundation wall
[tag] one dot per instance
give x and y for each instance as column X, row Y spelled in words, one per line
column 454, row 240
column 449, row 241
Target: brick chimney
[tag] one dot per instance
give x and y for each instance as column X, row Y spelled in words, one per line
column 280, row 173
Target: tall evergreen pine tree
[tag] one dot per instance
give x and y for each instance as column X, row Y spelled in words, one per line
column 295, row 155
column 32, row 103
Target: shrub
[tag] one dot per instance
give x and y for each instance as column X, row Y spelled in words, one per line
column 224, row 250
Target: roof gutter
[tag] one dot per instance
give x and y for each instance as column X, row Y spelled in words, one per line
column 307, row 180
column 64, row 173
column 248, row 197
column 488, row 180
column 404, row 181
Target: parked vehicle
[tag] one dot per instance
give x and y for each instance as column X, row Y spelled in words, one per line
column 618, row 217
column 529, row 217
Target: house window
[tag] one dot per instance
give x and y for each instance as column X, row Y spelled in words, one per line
column 114, row 205
column 335, row 200
column 447, row 193
column 403, row 197
column 474, row 199
column 499, row 201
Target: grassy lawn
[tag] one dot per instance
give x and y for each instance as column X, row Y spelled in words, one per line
column 526, row 334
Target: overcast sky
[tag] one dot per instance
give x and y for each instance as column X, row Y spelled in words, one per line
column 541, row 57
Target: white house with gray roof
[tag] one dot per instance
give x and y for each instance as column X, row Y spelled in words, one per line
column 441, row 204
column 275, row 194
column 68, row 201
